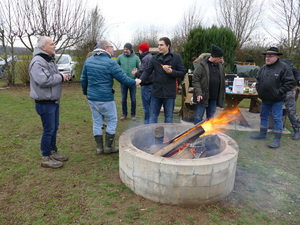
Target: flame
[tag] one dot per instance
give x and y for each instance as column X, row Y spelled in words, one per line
column 226, row 116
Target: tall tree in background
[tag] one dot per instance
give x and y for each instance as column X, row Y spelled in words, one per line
column 201, row 39
column 64, row 21
column 191, row 19
column 241, row 16
column 286, row 17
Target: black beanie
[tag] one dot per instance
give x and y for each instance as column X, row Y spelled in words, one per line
column 129, row 46
column 216, row 51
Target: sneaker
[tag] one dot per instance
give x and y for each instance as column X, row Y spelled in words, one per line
column 133, row 118
column 59, row 157
column 48, row 162
column 123, row 117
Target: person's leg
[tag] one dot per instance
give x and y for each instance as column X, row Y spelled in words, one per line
column 132, row 91
column 56, row 125
column 97, row 117
column 124, row 92
column 290, row 105
column 146, row 100
column 47, row 113
column 200, row 109
column 211, row 109
column 264, row 122
column 169, row 104
column 278, row 124
column 155, row 107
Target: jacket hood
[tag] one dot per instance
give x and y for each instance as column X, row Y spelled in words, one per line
column 99, row 51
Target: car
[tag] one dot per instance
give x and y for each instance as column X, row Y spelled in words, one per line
column 65, row 64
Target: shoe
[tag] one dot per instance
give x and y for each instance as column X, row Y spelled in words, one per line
column 99, row 143
column 109, row 148
column 59, row 157
column 276, row 141
column 133, row 118
column 49, row 162
column 123, row 117
column 262, row 134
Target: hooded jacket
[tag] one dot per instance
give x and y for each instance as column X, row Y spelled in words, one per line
column 45, row 79
column 201, row 82
column 98, row 74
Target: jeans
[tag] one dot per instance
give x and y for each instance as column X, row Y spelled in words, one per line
column 124, row 92
column 210, row 111
column 155, row 106
column 146, row 100
column 276, row 110
column 49, row 114
column 101, row 111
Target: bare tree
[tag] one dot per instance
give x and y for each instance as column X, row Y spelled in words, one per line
column 63, row 20
column 191, row 19
column 286, row 17
column 241, row 16
column 148, row 34
column 7, row 38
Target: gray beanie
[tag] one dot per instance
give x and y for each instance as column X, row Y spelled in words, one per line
column 129, row 46
column 216, row 51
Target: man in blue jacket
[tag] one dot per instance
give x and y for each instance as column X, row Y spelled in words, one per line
column 97, row 78
column 166, row 66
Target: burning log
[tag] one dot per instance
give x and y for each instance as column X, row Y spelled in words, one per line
column 178, row 142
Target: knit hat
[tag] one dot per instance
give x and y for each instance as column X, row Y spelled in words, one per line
column 129, row 46
column 272, row 51
column 144, row 47
column 216, row 51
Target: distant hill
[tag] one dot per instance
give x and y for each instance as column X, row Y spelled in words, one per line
column 18, row 51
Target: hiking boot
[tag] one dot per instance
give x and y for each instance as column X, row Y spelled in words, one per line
column 133, row 118
column 262, row 134
column 59, row 157
column 49, row 162
column 123, row 117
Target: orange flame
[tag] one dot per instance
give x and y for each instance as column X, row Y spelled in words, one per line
column 226, row 116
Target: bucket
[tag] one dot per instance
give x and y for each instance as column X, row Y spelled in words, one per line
column 238, row 85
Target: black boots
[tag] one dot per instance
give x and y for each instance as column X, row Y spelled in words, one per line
column 276, row 141
column 262, row 134
column 296, row 134
column 99, row 143
column 109, row 148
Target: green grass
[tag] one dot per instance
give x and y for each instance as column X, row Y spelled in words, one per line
column 88, row 189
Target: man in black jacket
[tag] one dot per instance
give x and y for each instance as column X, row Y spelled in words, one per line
column 166, row 66
column 274, row 80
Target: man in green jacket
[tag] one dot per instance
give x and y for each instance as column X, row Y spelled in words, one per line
column 128, row 61
column 209, row 84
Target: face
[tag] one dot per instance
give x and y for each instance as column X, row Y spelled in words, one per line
column 217, row 59
column 271, row 59
column 110, row 48
column 49, row 47
column 127, row 51
column 162, row 47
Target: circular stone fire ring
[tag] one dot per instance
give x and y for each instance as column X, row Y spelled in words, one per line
column 188, row 182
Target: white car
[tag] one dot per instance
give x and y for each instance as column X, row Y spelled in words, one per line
column 65, row 64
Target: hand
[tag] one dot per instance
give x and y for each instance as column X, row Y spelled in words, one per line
column 199, row 98
column 138, row 82
column 134, row 70
column 167, row 68
column 67, row 77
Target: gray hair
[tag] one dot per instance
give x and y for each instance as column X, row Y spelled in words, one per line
column 42, row 40
column 104, row 44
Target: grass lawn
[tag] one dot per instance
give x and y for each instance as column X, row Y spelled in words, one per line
column 88, row 190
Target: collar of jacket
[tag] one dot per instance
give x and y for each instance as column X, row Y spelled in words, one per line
column 48, row 58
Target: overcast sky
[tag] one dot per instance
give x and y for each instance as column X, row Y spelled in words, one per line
column 124, row 17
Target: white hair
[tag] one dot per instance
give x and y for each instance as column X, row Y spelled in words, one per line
column 42, row 40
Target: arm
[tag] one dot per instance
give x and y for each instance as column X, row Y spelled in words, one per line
column 84, row 80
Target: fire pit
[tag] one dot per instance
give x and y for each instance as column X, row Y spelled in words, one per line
column 172, row 180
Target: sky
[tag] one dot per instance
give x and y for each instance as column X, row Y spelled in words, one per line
column 124, row 17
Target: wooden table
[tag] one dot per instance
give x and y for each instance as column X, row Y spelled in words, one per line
column 232, row 100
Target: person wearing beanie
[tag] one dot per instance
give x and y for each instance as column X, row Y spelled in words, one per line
column 166, row 67
column 128, row 61
column 146, row 86
column 274, row 80
column 209, row 84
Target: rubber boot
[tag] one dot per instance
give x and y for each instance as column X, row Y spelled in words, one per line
column 296, row 134
column 276, row 141
column 99, row 143
column 262, row 134
column 109, row 139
